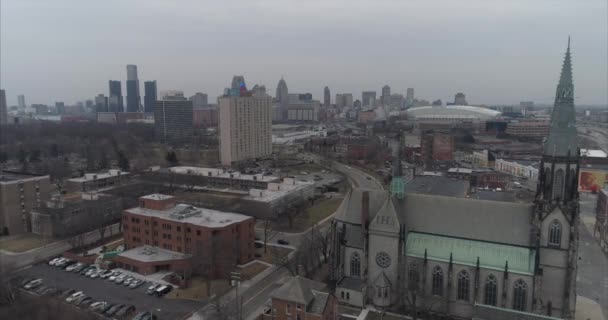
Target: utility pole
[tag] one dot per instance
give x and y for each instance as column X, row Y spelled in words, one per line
column 236, row 277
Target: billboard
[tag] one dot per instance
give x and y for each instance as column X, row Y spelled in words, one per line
column 592, row 180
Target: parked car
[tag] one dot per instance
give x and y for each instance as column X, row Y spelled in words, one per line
column 85, row 270
column 50, row 291
column 152, row 288
column 258, row 245
column 120, row 278
column 127, row 281
column 53, row 261
column 163, row 290
column 79, row 299
column 67, row 292
column 39, row 290
column 33, row 284
column 74, row 296
column 96, row 274
column 97, row 305
column 283, row 242
column 136, row 283
column 80, row 267
column 71, row 268
column 114, row 276
column 90, row 271
column 59, row 262
column 107, row 274
column 85, row 302
column 106, row 307
column 141, row 315
column 113, row 310
column 125, row 310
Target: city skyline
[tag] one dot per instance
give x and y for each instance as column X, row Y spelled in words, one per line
column 505, row 64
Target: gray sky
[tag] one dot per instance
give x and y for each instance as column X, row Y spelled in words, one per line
column 495, row 51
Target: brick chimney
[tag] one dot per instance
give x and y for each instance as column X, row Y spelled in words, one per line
column 365, row 209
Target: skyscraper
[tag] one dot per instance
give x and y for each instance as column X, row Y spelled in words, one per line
column 409, row 97
column 199, row 100
column 60, row 107
column 3, row 108
column 245, row 124
column 368, row 98
column 460, row 99
column 344, row 100
column 173, row 118
column 282, row 95
column 133, row 97
column 386, row 93
column 115, row 102
column 326, row 97
column 150, row 96
column 21, row 102
column 101, row 103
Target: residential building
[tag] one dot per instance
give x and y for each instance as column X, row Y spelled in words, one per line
column 300, row 298
column 487, row 255
column 21, row 102
column 245, row 125
column 101, row 103
column 436, row 146
column 199, row 100
column 368, row 98
column 386, row 93
column 527, row 169
column 215, row 240
column 133, row 97
column 150, row 96
column 173, row 118
column 20, row 193
column 326, row 97
column 115, row 101
column 99, row 181
column 76, row 213
column 3, row 108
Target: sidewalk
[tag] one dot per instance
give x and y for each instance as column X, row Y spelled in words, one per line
column 587, row 309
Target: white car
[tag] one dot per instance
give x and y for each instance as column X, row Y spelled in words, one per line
column 120, row 278
column 127, row 281
column 90, row 272
column 59, row 262
column 74, row 296
column 53, row 261
column 73, row 266
column 107, row 274
column 114, row 276
column 33, row 284
column 95, row 274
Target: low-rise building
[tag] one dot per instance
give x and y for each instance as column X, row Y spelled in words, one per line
column 216, row 240
column 219, row 178
column 600, row 230
column 301, row 298
column 20, row 193
column 98, row 181
column 76, row 213
column 520, row 168
column 528, row 128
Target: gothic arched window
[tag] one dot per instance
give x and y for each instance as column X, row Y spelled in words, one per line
column 558, row 185
column 555, row 233
column 490, row 291
column 412, row 275
column 519, row 295
column 355, row 264
column 437, row 286
column 463, row 285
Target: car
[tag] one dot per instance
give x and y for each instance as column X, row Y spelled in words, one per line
column 74, row 296
column 125, row 310
column 120, row 278
column 68, row 263
column 95, row 305
column 283, row 242
column 95, row 274
column 106, row 307
column 58, row 262
column 33, row 284
column 107, row 274
column 136, row 283
column 114, row 276
column 78, row 300
column 39, row 290
column 71, row 267
column 113, row 310
column 127, row 281
column 258, row 245
column 67, row 292
column 53, row 261
column 90, row 271
column 163, row 290
column 86, row 301
column 85, row 270
column 25, row 281
column 50, row 291
column 152, row 288
column 142, row 315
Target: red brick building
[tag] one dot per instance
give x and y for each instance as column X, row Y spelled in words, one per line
column 216, row 241
column 301, row 299
column 206, row 117
column 436, row 146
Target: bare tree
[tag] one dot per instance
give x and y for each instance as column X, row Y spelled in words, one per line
column 267, row 230
column 321, row 241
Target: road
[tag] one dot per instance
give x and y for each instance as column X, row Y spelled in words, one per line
column 256, row 294
column 592, row 279
column 11, row 261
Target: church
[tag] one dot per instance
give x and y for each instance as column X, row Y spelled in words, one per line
column 433, row 245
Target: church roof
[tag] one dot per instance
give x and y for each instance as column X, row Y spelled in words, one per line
column 298, row 289
column 562, row 134
column 350, row 209
column 466, row 251
column 387, row 219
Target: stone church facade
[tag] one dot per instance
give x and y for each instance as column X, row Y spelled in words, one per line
column 461, row 256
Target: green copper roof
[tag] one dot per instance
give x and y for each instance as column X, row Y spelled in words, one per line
column 465, row 252
column 562, row 134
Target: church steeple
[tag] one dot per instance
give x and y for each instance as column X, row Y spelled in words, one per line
column 562, row 134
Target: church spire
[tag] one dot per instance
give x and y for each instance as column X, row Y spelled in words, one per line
column 562, row 134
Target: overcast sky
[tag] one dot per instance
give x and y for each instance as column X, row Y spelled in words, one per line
column 495, row 51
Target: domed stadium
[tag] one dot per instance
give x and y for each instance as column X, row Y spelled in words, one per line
column 452, row 113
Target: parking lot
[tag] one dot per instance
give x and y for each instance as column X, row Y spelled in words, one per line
column 104, row 290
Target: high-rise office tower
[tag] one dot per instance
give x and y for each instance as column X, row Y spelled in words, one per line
column 21, row 102
column 460, row 99
column 386, row 93
column 150, row 96
column 368, row 98
column 409, row 97
column 60, row 107
column 101, row 103
column 3, row 108
column 115, row 102
column 199, row 100
column 326, row 97
column 344, row 100
column 282, row 93
column 245, row 124
column 133, row 97
column 173, row 118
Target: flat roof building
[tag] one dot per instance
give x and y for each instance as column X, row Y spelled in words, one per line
column 20, row 193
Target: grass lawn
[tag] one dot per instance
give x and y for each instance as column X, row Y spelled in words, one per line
column 322, row 209
column 198, row 289
column 24, row 242
column 252, row 270
column 307, row 167
column 269, row 257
